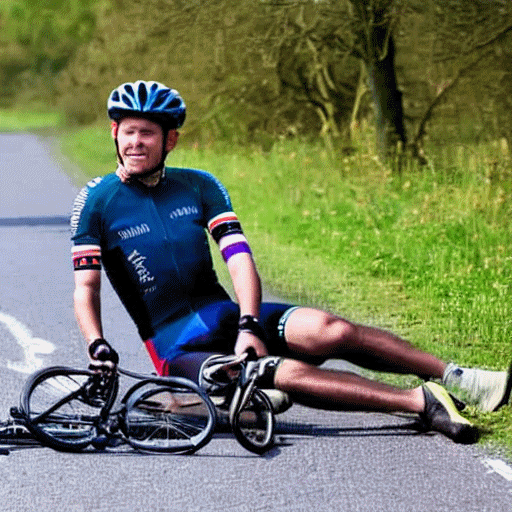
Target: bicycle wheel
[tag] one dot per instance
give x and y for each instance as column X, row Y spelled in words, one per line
column 253, row 425
column 168, row 415
column 57, row 410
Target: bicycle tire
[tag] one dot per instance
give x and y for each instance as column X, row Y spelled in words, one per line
column 253, row 425
column 168, row 415
column 56, row 412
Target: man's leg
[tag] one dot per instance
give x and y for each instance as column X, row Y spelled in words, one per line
column 327, row 389
column 312, row 332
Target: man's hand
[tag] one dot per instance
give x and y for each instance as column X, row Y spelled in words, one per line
column 247, row 340
column 122, row 174
column 103, row 357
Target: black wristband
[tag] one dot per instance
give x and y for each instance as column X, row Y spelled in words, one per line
column 249, row 323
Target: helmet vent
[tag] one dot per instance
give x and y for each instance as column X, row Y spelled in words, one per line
column 143, row 95
column 127, row 100
column 160, row 99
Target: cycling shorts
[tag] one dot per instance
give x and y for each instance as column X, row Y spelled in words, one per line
column 179, row 348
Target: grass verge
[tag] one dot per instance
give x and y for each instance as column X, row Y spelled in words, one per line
column 29, row 120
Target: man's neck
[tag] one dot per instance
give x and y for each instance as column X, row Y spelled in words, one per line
column 153, row 179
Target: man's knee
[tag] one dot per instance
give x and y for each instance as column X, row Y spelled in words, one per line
column 331, row 331
column 337, row 328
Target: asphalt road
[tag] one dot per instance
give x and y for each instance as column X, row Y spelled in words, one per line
column 323, row 461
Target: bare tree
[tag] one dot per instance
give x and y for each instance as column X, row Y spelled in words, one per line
column 466, row 58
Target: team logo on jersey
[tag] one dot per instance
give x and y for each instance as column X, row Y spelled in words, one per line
column 182, row 212
column 133, row 231
column 138, row 262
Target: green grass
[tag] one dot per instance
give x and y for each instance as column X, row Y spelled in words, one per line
column 29, row 120
column 427, row 254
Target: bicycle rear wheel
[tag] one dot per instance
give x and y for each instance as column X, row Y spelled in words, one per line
column 57, row 411
column 168, row 415
column 253, row 425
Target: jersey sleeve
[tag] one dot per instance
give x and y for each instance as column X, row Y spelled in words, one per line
column 223, row 224
column 86, row 229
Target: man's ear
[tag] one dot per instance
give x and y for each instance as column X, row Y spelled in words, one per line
column 114, row 128
column 172, row 140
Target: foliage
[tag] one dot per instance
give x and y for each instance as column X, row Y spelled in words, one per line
column 456, row 78
column 256, row 70
column 38, row 39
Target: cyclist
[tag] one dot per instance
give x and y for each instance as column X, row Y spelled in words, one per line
column 147, row 225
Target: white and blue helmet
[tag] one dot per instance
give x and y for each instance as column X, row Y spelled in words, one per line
column 150, row 100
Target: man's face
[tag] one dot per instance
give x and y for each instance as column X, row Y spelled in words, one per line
column 140, row 144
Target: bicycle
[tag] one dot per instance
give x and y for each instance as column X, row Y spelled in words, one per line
column 250, row 411
column 70, row 409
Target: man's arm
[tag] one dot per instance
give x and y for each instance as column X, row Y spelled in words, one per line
column 247, row 287
column 87, row 303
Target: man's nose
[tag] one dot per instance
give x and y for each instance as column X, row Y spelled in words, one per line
column 136, row 139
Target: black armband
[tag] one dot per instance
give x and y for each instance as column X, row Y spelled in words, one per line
column 249, row 323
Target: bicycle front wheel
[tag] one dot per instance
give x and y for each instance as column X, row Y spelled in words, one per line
column 168, row 415
column 253, row 425
column 56, row 410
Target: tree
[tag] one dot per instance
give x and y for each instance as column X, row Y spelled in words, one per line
column 39, row 40
column 374, row 22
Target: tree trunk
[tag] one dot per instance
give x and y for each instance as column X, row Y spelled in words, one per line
column 387, row 99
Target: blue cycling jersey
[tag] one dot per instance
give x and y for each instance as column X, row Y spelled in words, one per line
column 153, row 244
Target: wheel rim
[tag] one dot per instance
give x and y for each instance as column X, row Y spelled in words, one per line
column 56, row 413
column 168, row 419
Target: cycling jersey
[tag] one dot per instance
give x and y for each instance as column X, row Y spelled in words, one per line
column 152, row 242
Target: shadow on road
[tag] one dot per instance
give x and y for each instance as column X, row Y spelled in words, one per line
column 303, row 429
column 56, row 220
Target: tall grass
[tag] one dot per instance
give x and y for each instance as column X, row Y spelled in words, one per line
column 427, row 253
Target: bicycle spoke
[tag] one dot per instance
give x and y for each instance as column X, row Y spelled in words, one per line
column 165, row 419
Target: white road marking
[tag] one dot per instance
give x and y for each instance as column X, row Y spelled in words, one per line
column 499, row 467
column 30, row 346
